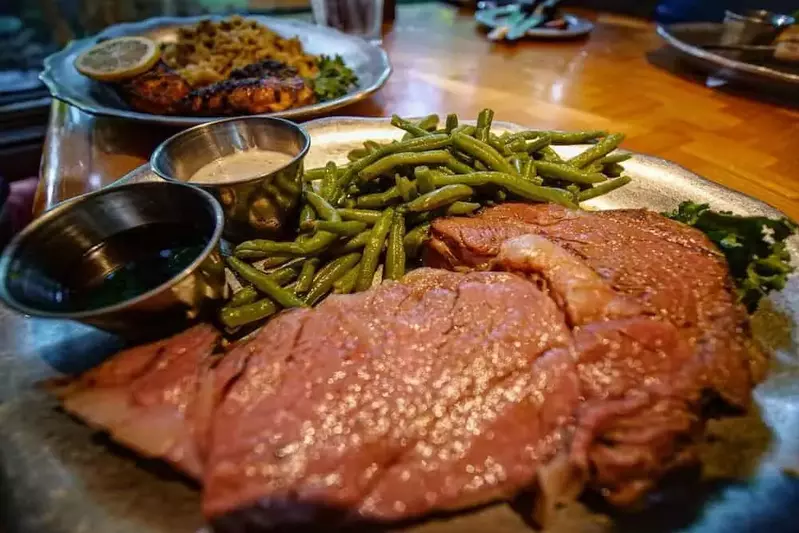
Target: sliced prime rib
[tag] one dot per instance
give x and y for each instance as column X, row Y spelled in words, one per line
column 672, row 270
column 443, row 391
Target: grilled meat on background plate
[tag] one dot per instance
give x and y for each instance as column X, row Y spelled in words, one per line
column 584, row 365
column 265, row 87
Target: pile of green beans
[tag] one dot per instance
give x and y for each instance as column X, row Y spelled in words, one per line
column 368, row 219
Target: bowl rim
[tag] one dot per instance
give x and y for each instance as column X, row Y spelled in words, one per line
column 10, row 251
column 162, row 148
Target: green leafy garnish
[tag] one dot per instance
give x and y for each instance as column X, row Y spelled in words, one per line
column 754, row 247
column 334, row 80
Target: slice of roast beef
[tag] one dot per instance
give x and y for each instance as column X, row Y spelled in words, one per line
column 673, row 271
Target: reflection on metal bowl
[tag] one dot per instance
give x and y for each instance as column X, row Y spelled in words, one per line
column 261, row 206
column 88, row 259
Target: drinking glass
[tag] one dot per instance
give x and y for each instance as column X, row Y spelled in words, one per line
column 363, row 18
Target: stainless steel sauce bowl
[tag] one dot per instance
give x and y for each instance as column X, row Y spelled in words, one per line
column 68, row 245
column 263, row 206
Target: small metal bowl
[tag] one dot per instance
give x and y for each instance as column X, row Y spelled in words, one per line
column 83, row 240
column 263, row 206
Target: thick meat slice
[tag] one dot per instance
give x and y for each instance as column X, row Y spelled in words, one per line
column 146, row 397
column 673, row 271
column 156, row 91
column 363, row 383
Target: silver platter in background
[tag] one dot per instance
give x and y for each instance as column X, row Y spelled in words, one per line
column 369, row 62
column 689, row 38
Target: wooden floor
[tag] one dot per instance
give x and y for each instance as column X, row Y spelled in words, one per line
column 613, row 80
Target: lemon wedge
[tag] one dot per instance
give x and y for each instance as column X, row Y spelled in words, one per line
column 118, row 59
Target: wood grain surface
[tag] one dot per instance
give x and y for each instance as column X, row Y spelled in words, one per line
column 620, row 78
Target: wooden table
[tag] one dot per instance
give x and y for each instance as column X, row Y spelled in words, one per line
column 443, row 64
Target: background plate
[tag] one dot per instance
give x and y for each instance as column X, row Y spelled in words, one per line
column 577, row 26
column 688, row 38
column 369, row 62
column 59, row 476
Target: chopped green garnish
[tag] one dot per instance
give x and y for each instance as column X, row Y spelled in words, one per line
column 754, row 247
column 335, row 78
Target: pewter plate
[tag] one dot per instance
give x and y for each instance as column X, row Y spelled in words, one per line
column 369, row 62
column 688, row 39
column 59, row 476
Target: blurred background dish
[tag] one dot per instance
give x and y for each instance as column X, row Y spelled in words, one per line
column 694, row 41
column 370, row 64
column 539, row 19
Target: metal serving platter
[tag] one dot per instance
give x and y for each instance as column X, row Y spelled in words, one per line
column 690, row 37
column 59, row 476
column 370, row 63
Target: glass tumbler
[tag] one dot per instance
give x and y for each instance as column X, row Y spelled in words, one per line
column 363, row 18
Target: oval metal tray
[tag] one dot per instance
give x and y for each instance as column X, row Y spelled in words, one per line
column 369, row 62
column 59, row 476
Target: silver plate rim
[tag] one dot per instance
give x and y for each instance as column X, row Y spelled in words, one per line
column 762, row 72
column 377, row 54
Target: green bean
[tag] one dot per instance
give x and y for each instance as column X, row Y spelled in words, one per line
column 288, row 186
column 430, row 122
column 414, row 219
column 549, row 155
column 306, row 275
column 379, row 199
column 515, row 184
column 395, row 252
column 598, row 151
column 464, row 129
column 415, row 239
column 314, row 174
column 458, row 167
column 367, row 216
column 517, row 146
column 567, row 173
column 561, row 137
column 615, row 157
column 528, row 171
column 346, row 283
column 243, row 296
column 285, row 202
column 329, row 183
column 264, row 283
column 408, row 126
column 307, row 214
column 355, row 243
column 483, row 152
column 349, row 228
column 357, row 153
column 274, row 261
column 371, row 147
column 517, row 165
column 406, row 188
column 462, row 208
column 484, row 119
column 604, row 188
column 498, row 145
column 538, row 143
column 239, row 316
column 322, row 207
column 424, row 179
column 439, row 198
column 429, row 142
column 324, row 280
column 390, row 162
column 265, row 248
column 613, row 170
column 452, row 122
column 374, row 247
